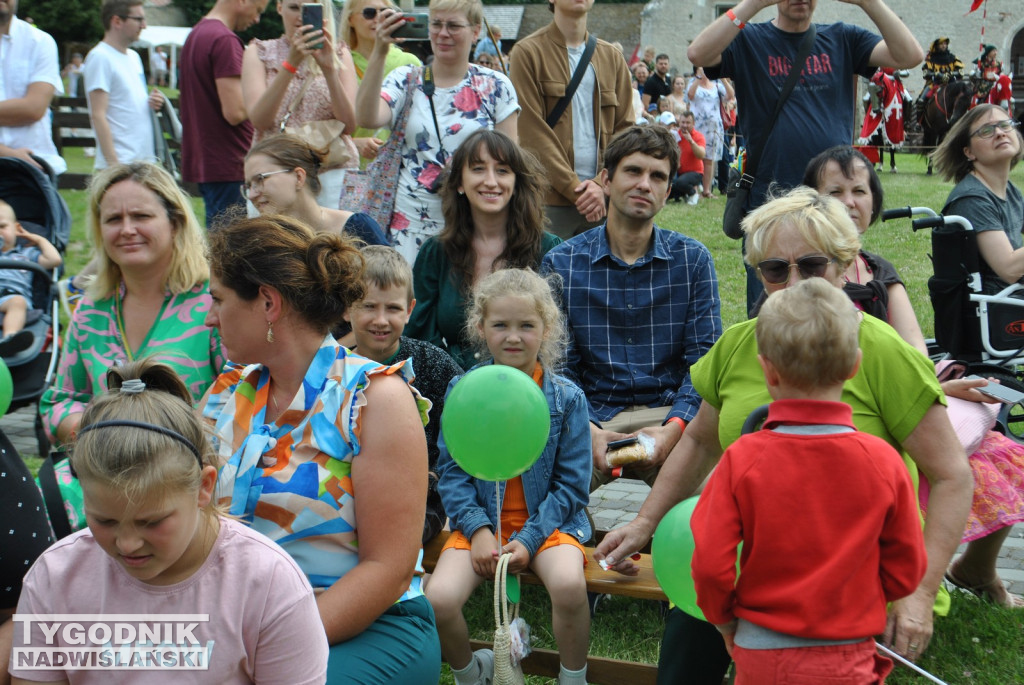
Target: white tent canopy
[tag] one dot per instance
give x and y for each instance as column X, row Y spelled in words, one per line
column 174, row 36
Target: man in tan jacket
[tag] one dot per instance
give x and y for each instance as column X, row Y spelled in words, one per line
column 572, row 150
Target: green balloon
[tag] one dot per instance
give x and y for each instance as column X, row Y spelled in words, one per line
column 6, row 388
column 495, row 422
column 671, row 555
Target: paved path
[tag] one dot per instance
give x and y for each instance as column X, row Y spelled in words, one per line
column 611, row 506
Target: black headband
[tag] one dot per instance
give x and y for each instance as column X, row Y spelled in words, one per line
column 146, row 426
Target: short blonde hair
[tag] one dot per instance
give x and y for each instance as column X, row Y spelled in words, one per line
column 385, row 267
column 822, row 221
column 140, row 461
column 188, row 247
column 4, row 205
column 473, row 9
column 809, row 332
column 521, row 283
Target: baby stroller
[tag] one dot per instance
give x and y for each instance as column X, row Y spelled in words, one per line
column 41, row 210
column 984, row 330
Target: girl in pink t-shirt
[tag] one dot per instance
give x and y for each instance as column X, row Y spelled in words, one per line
column 160, row 580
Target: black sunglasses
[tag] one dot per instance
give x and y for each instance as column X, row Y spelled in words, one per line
column 777, row 270
column 369, row 13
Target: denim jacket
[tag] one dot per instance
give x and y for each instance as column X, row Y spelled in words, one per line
column 557, row 486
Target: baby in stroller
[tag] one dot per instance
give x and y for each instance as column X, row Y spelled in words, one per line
column 16, row 284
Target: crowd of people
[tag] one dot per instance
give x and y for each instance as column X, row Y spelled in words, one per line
column 251, row 417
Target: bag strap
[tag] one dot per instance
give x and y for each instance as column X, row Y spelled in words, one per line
column 428, row 90
column 51, row 497
column 754, row 155
column 295, row 102
column 574, row 83
column 500, row 609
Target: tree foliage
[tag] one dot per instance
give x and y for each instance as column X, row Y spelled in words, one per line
column 270, row 25
column 68, row 21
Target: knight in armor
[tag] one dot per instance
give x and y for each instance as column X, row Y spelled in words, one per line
column 940, row 66
column 989, row 68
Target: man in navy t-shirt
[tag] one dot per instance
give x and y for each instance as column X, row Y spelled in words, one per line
column 819, row 112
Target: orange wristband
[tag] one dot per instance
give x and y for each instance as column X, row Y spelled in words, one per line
column 678, row 421
column 734, row 19
column 288, row 67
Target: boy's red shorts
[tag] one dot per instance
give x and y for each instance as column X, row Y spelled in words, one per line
column 853, row 664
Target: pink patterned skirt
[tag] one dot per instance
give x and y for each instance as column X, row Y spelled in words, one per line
column 998, row 470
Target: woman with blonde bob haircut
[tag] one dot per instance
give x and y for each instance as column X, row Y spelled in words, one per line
column 894, row 395
column 155, row 539
column 149, row 297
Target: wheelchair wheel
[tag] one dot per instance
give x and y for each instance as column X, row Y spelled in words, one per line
column 1010, row 420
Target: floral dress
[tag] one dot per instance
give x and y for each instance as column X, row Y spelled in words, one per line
column 481, row 100
column 707, row 118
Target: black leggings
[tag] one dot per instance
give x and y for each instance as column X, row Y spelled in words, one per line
column 692, row 652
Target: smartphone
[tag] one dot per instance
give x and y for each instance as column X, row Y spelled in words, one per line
column 625, row 442
column 313, row 15
column 1000, row 392
column 416, row 27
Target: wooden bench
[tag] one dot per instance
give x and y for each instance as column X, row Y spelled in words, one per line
column 72, row 113
column 600, row 670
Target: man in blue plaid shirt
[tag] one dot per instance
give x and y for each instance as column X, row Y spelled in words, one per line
column 641, row 303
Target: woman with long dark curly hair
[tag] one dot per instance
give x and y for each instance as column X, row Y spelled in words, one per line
column 493, row 204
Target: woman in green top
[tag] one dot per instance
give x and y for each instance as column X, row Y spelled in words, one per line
column 358, row 24
column 493, row 202
column 894, row 396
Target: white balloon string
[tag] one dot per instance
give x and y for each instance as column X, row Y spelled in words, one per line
column 497, row 502
column 909, row 664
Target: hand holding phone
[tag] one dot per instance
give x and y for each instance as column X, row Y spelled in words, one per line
column 416, row 27
column 313, row 15
column 1002, row 393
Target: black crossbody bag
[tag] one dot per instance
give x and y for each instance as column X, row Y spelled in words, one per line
column 739, row 190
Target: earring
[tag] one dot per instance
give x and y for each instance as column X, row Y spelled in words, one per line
column 270, row 332
column 462, row 192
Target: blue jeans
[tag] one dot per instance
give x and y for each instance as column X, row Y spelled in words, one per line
column 220, row 196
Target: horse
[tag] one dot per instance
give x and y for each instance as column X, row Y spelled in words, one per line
column 999, row 93
column 950, row 102
column 883, row 127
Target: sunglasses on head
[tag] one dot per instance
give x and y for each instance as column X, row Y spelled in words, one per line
column 777, row 270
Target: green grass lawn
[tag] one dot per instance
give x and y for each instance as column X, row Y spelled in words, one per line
column 977, row 643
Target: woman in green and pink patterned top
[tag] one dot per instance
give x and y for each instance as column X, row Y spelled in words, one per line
column 323, row 451
column 150, row 296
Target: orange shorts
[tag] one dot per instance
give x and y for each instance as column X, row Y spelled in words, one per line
column 513, row 517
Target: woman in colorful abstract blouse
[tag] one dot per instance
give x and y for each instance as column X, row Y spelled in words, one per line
column 466, row 97
column 312, row 436
column 149, row 298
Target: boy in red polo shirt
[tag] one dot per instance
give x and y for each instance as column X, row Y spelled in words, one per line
column 826, row 514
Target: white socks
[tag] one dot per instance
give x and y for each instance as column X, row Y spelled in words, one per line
column 567, row 677
column 468, row 675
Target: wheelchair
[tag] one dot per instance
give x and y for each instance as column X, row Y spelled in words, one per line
column 985, row 331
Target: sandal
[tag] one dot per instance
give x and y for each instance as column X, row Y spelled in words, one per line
column 984, row 590
column 708, row 195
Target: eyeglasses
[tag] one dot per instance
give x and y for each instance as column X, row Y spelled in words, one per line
column 370, row 13
column 141, row 20
column 777, row 270
column 989, row 130
column 453, row 27
column 256, row 182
